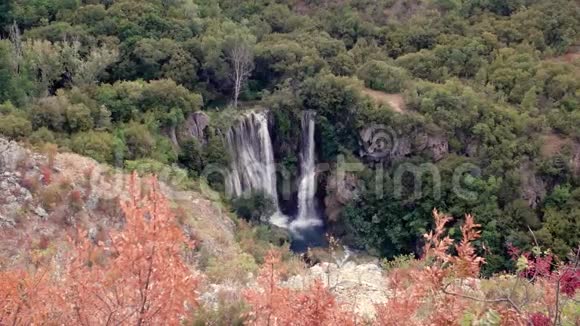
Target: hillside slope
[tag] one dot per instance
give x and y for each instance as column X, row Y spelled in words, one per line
column 43, row 196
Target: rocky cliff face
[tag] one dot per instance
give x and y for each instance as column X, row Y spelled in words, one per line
column 194, row 127
column 384, row 146
column 533, row 188
column 15, row 161
column 340, row 190
column 380, row 144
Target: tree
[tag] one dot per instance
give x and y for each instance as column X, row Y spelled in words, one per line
column 381, row 76
column 241, row 59
column 272, row 304
column 191, row 156
column 16, row 40
column 50, row 112
column 137, row 278
column 78, row 118
column 139, row 140
column 144, row 280
column 257, row 207
column 26, row 298
column 91, row 67
column 7, row 82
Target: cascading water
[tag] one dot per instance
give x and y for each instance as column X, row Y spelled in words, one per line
column 252, row 167
column 307, row 214
column 307, row 228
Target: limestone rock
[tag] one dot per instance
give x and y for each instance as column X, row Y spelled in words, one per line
column 339, row 192
column 40, row 212
column 384, row 144
column 6, row 222
column 194, row 127
column 360, row 285
column 533, row 188
column 437, row 146
column 11, row 154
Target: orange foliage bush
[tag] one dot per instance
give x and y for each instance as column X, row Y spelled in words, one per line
column 275, row 305
column 46, row 173
column 25, row 299
column 141, row 280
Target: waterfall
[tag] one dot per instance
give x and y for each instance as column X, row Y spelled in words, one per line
column 253, row 169
column 252, row 164
column 307, row 214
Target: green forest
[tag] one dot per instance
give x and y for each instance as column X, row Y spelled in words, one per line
column 496, row 83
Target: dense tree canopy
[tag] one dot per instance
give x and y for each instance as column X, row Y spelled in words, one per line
column 498, row 80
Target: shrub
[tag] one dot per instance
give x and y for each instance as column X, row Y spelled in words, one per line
column 222, row 269
column 7, row 108
column 98, row 145
column 229, row 311
column 31, row 182
column 273, row 304
column 381, row 76
column 139, row 140
column 46, row 173
column 42, row 136
column 145, row 268
column 53, row 195
column 256, row 207
column 76, row 200
column 191, row 156
column 423, row 64
column 14, row 127
column 170, row 174
column 78, row 118
column 50, row 112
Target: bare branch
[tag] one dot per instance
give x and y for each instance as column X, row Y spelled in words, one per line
column 497, row 300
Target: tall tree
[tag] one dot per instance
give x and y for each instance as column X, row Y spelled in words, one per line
column 241, row 58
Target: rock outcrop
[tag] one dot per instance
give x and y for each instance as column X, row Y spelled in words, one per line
column 339, row 192
column 436, row 145
column 194, row 127
column 382, row 144
column 532, row 187
column 358, row 285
